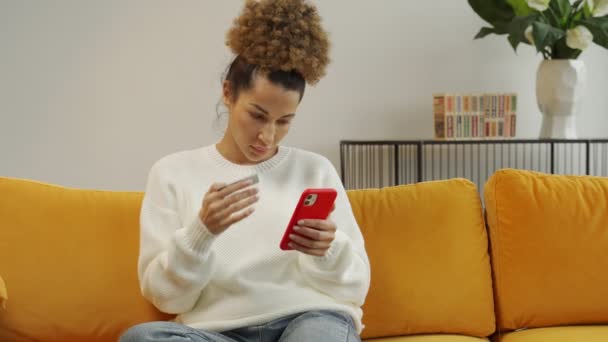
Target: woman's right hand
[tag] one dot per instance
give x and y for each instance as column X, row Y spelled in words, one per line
column 225, row 205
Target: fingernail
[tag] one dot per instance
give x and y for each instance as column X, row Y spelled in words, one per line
column 291, row 236
column 301, row 222
column 290, row 245
column 296, row 228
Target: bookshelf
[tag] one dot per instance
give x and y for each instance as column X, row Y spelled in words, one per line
column 379, row 163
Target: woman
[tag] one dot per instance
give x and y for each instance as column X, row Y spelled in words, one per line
column 210, row 251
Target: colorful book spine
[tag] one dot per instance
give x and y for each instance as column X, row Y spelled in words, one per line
column 466, row 116
column 439, row 116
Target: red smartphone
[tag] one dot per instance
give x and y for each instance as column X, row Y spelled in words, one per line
column 313, row 204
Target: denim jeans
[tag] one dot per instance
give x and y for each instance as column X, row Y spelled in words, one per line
column 327, row 326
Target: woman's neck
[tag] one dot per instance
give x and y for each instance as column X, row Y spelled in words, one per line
column 228, row 148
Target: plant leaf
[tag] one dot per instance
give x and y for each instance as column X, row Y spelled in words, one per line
column 518, row 28
column 498, row 13
column 562, row 8
column 576, row 4
column 545, row 35
column 484, row 32
column 520, row 7
column 599, row 29
column 575, row 14
column 561, row 50
column 587, row 10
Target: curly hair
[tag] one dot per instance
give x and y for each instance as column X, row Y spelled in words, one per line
column 281, row 35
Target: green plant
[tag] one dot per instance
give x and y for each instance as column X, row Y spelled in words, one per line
column 559, row 29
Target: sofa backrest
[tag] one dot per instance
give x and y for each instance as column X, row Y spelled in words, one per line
column 549, row 243
column 429, row 258
column 69, row 260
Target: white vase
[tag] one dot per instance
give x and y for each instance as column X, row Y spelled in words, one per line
column 560, row 88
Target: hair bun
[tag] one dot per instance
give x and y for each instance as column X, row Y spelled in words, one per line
column 281, row 35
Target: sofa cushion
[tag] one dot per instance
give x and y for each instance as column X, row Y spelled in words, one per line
column 429, row 338
column 70, row 259
column 3, row 294
column 549, row 243
column 429, row 258
column 558, row 334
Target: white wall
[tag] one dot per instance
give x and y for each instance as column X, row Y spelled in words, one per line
column 93, row 92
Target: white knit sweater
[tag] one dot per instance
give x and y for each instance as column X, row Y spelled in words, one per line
column 241, row 277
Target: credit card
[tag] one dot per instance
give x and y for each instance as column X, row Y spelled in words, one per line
column 254, row 179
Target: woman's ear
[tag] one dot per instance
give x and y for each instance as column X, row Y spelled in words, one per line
column 226, row 94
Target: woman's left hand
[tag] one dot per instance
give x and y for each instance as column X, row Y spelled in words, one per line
column 314, row 237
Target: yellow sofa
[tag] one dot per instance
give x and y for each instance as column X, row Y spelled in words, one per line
column 536, row 269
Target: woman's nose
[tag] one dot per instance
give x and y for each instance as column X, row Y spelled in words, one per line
column 266, row 135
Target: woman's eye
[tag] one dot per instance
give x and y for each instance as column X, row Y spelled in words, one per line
column 283, row 122
column 257, row 116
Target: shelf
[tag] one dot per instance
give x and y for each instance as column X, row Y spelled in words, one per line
column 378, row 163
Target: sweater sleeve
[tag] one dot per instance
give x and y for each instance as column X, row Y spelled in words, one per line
column 175, row 259
column 344, row 272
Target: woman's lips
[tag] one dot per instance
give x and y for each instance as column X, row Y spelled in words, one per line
column 260, row 149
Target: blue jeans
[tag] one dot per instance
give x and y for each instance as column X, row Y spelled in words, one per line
column 327, row 326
